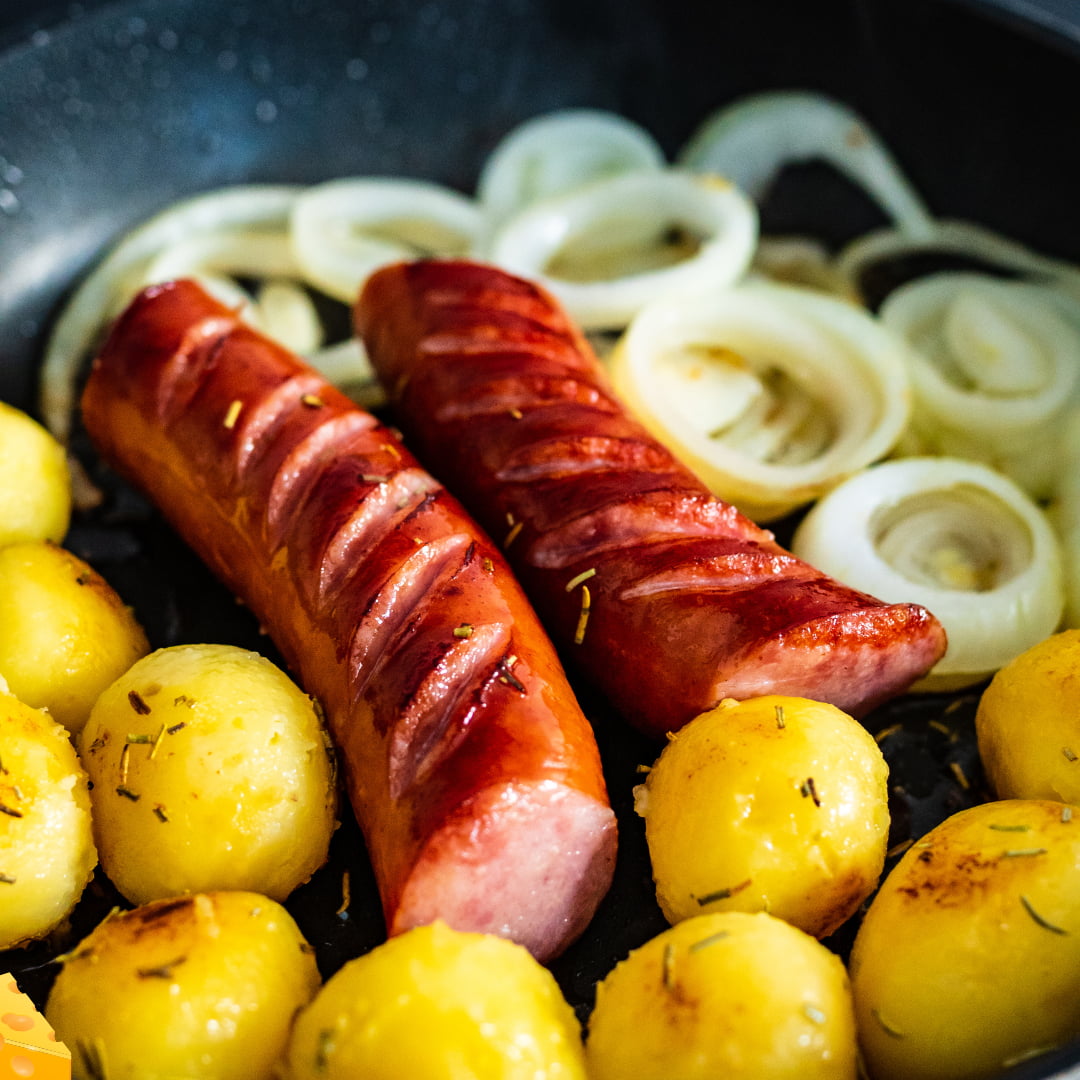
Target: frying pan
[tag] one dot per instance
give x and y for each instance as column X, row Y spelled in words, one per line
column 110, row 110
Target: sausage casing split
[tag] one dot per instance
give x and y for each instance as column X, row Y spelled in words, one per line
column 472, row 771
column 667, row 597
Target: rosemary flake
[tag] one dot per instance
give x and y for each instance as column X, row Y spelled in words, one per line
column 1009, row 828
column 138, row 703
column 1016, row 853
column 814, row 1014
column 7, row 879
column 512, row 535
column 1070, row 754
column 945, row 730
column 327, row 1044
column 11, row 811
column 1066, row 813
column 705, row 942
column 374, row 478
column 507, row 675
column 1039, row 920
column 161, row 971
column 961, row 776
column 391, row 449
column 808, row 790
column 583, row 616
column 137, row 740
column 92, row 1052
column 128, row 793
column 780, row 721
column 885, row 1026
column 899, row 849
column 488, row 565
column 312, row 401
column 574, row 582
column 159, row 813
column 465, row 630
column 517, row 414
column 156, row 743
column 176, row 727
column 885, row 732
column 723, row 894
column 346, row 896
column 233, row 414
column 669, row 966
column 125, row 757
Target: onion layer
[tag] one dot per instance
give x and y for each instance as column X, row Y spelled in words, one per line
column 771, row 394
column 609, row 247
column 958, row 538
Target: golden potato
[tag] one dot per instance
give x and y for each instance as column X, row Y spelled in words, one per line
column 64, row 633
column 1028, row 723
column 35, row 488
column 732, row 995
column 46, row 848
column 438, row 1004
column 201, row 986
column 774, row 804
column 211, row 770
column 969, row 957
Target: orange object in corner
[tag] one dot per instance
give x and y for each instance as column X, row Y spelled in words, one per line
column 28, row 1045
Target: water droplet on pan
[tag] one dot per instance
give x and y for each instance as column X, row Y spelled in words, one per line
column 356, row 69
column 9, row 203
column 266, row 111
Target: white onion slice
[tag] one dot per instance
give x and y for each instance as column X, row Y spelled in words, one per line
column 771, row 394
column 110, row 286
column 558, row 151
column 609, row 247
column 753, row 139
column 1064, row 514
column 344, row 230
column 994, row 367
column 958, row 538
column 800, row 260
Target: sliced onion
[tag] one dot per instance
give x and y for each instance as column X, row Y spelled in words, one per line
column 799, row 260
column 771, row 394
column 994, row 367
column 753, row 139
column 343, row 230
column 287, row 314
column 1064, row 514
column 558, row 151
column 609, row 247
column 110, row 286
column 958, row 538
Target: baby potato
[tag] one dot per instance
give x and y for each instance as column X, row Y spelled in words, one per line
column 773, row 804
column 732, row 995
column 199, row 986
column 968, row 959
column 211, row 770
column 438, row 1004
column 1028, row 723
column 64, row 633
column 46, row 846
column 35, row 488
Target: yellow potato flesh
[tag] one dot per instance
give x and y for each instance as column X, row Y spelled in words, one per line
column 203, row 986
column 210, row 771
column 35, row 489
column 775, row 804
column 731, row 995
column 46, row 848
column 64, row 632
column 969, row 957
column 439, row 1004
column 1028, row 723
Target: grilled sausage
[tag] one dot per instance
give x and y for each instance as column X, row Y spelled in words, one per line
column 668, row 598
column 471, row 769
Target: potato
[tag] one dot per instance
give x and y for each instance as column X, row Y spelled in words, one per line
column 438, row 1004
column 201, row 986
column 211, row 770
column 35, row 488
column 1028, row 723
column 774, row 804
column 969, row 956
column 732, row 995
column 64, row 633
column 46, row 848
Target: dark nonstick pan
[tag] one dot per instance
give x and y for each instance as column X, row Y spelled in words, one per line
column 109, row 111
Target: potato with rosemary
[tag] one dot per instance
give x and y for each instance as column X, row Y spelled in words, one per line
column 438, row 1004
column 211, row 770
column 774, row 804
column 35, row 487
column 199, row 986
column 46, row 847
column 1028, row 723
column 64, row 632
column 968, row 959
column 732, row 995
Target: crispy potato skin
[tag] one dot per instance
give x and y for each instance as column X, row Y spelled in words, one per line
column 35, row 487
column 732, row 995
column 211, row 770
column 439, row 1004
column 46, row 848
column 1028, row 723
column 775, row 804
column 969, row 957
column 64, row 632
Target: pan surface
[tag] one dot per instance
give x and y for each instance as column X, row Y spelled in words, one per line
column 111, row 110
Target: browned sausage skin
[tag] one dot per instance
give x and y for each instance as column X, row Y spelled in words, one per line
column 687, row 601
column 473, row 773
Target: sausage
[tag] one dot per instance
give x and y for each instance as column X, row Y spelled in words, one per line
column 668, row 598
column 473, row 773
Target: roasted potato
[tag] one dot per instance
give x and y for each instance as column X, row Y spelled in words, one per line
column 211, row 770
column 732, row 995
column 46, row 848
column 968, row 959
column 774, row 804
column 35, row 488
column 1028, row 723
column 64, row 633
column 201, row 986
column 438, row 1004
